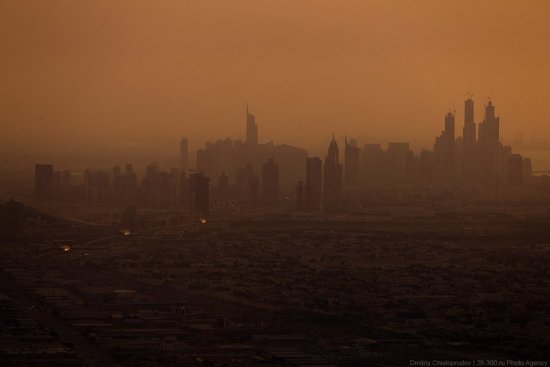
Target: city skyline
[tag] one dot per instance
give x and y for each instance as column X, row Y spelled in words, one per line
column 187, row 69
column 250, row 173
column 274, row 183
column 168, row 159
column 472, row 121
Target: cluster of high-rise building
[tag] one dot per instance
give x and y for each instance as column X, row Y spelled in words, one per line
column 243, row 174
column 157, row 189
column 477, row 157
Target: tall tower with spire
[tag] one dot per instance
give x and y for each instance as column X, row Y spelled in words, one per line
column 469, row 142
column 251, row 129
column 332, row 179
column 489, row 145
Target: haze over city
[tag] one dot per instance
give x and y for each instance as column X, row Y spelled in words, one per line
column 102, row 77
column 274, row 183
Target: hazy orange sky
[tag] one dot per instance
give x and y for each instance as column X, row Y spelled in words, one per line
column 102, row 74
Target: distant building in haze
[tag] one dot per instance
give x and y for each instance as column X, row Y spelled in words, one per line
column 515, row 170
column 332, row 182
column 527, row 170
column 184, row 155
column 222, row 190
column 199, row 192
column 469, row 143
column 444, row 151
column 398, row 160
column 375, row 167
column 205, row 162
column 313, row 189
column 43, row 180
column 270, row 181
column 251, row 130
column 489, row 145
column 247, row 185
column 351, row 163
column 300, row 195
column 504, row 163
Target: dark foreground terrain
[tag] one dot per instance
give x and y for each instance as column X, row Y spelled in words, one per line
column 283, row 291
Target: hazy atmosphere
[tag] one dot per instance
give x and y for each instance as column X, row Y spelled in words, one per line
column 80, row 77
column 275, row 183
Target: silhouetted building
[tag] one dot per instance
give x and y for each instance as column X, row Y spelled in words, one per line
column 426, row 166
column 351, row 162
column 124, row 186
column 375, row 165
column 225, row 158
column 150, row 186
column 489, row 146
column 205, row 162
column 504, row 163
column 251, row 130
column 184, row 155
column 56, row 184
column 66, row 179
column 270, row 181
column 469, row 142
column 515, row 170
column 444, row 151
column 43, row 180
column 398, row 162
column 290, row 160
column 199, row 191
column 222, row 190
column 527, row 170
column 173, row 187
column 314, row 183
column 247, row 185
column 299, row 196
column 332, row 182
column 459, row 159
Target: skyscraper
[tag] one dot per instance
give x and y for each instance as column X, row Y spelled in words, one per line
column 184, row 155
column 398, row 160
column 527, row 170
column 469, row 141
column 450, row 148
column 247, row 185
column 314, row 183
column 351, row 163
column 332, row 183
column 489, row 145
column 205, row 162
column 43, row 180
column 375, row 166
column 199, row 194
column 270, row 181
column 444, row 150
column 251, row 130
column 300, row 195
column 222, row 190
column 515, row 170
column 505, row 152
